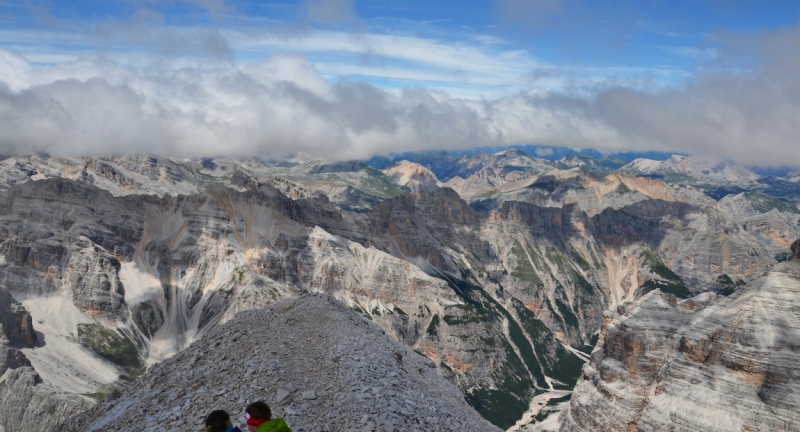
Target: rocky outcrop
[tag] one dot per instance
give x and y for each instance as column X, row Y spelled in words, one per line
column 317, row 363
column 795, row 248
column 28, row 404
column 16, row 322
column 16, row 332
column 707, row 363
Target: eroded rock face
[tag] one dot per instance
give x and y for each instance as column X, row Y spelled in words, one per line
column 317, row 363
column 16, row 322
column 492, row 298
column 707, row 363
column 28, row 404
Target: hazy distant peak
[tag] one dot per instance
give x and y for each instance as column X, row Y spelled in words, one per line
column 704, row 168
column 414, row 176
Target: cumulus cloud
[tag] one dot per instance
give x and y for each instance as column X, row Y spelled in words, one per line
column 283, row 104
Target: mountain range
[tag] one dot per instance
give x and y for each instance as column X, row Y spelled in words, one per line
column 501, row 270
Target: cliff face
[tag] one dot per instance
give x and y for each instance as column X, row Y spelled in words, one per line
column 707, row 363
column 116, row 284
column 26, row 402
column 501, row 300
column 16, row 322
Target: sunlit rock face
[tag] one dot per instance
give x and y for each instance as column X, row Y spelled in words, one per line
column 26, row 402
column 413, row 176
column 706, row 363
column 123, row 262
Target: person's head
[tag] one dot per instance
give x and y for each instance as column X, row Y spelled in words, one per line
column 257, row 413
column 218, row 421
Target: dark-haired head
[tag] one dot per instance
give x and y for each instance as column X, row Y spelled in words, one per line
column 218, row 421
column 257, row 413
column 259, row 410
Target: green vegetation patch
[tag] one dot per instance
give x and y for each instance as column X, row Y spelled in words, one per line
column 544, row 412
column 764, row 203
column 558, row 362
column 526, row 351
column 101, row 394
column 566, row 369
column 524, row 271
column 499, row 408
column 118, row 347
column 678, row 290
column 569, row 317
column 622, row 189
column 556, row 401
column 378, row 184
column 582, row 263
column 672, row 283
column 464, row 319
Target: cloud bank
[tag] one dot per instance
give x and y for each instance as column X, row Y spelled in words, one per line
column 97, row 105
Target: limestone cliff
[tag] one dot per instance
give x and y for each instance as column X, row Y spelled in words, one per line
column 707, row 363
column 503, row 300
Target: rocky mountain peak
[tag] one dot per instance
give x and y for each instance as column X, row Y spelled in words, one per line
column 316, row 362
column 413, row 175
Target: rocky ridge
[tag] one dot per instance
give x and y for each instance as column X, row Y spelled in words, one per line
column 692, row 169
column 502, row 299
column 499, row 301
column 317, row 363
column 706, row 363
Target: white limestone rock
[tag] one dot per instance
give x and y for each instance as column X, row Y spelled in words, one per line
column 725, row 364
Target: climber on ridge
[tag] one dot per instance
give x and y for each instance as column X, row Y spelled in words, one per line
column 220, row 421
column 259, row 419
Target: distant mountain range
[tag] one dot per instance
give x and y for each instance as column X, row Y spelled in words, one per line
column 498, row 267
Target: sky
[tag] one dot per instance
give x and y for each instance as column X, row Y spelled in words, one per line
column 351, row 79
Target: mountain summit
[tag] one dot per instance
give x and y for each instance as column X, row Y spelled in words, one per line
column 316, row 362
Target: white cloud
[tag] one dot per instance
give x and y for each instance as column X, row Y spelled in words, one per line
column 200, row 106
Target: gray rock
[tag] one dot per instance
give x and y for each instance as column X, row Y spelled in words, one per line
column 708, row 363
column 28, row 404
column 16, row 322
column 168, row 395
